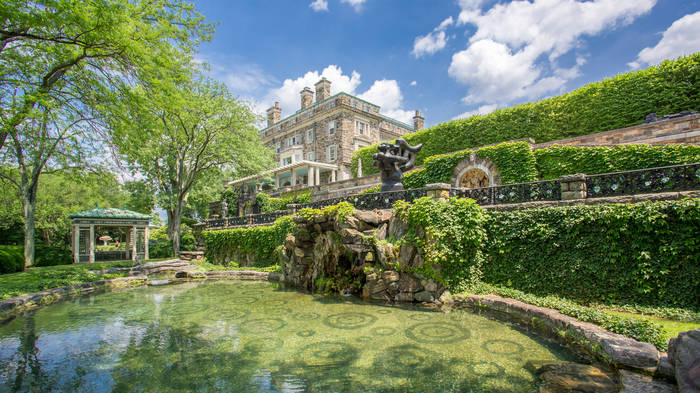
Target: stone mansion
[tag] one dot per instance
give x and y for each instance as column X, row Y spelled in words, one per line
column 314, row 146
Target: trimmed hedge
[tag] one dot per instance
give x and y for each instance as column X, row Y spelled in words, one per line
column 225, row 245
column 269, row 204
column 622, row 101
column 11, row 259
column 557, row 161
column 646, row 253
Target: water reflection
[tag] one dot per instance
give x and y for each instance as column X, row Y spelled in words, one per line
column 239, row 336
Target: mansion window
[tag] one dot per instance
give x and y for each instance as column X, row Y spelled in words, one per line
column 331, row 127
column 332, row 153
column 361, row 128
column 286, row 161
column 309, row 136
column 309, row 156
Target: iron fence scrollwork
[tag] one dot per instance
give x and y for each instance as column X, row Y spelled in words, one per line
column 644, row 181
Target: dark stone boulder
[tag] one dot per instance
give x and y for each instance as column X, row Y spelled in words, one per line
column 684, row 353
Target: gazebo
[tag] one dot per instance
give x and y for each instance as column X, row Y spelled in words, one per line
column 84, row 223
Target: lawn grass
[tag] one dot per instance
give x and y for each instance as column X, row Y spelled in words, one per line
column 37, row 279
column 671, row 327
column 207, row 266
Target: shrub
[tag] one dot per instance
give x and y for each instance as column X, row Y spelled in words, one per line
column 160, row 249
column 11, row 259
column 556, row 161
column 645, row 253
column 617, row 102
column 269, row 204
column 224, row 246
column 45, row 255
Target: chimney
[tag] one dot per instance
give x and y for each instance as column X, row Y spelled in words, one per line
column 307, row 98
column 418, row 121
column 323, row 89
column 274, row 114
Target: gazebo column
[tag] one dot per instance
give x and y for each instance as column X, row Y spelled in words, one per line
column 133, row 246
column 92, row 243
column 145, row 242
column 76, row 243
column 127, row 242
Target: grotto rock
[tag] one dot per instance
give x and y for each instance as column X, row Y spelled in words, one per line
column 406, row 253
column 626, row 352
column 397, row 228
column 424, row 296
column 369, row 217
column 572, row 377
column 380, row 233
column 408, row 283
column 684, row 353
column 390, row 276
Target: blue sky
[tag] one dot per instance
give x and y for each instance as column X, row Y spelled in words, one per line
column 447, row 58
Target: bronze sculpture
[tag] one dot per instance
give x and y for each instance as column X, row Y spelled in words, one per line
column 393, row 160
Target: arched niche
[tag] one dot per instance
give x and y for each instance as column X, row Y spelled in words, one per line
column 475, row 172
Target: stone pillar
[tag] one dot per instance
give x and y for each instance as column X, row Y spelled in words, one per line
column 418, row 121
column 438, row 190
column 294, row 177
column 310, row 175
column 76, row 244
column 294, row 207
column 274, row 114
column 134, row 250
column 573, row 187
column 126, row 244
column 92, row 243
column 277, row 180
column 146, row 232
column 333, row 176
column 318, row 176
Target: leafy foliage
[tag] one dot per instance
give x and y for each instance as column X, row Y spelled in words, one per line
column 556, row 161
column 646, row 253
column 224, row 246
column 450, row 233
column 11, row 259
column 617, row 102
column 269, row 204
column 339, row 211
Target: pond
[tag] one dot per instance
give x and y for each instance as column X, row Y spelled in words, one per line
column 236, row 336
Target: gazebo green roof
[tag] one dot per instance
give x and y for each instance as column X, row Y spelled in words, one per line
column 110, row 213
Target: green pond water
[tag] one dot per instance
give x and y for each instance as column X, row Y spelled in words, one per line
column 233, row 336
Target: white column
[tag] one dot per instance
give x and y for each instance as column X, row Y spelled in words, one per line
column 76, row 244
column 310, row 175
column 92, row 243
column 133, row 246
column 146, row 231
column 294, row 177
column 333, row 176
column 277, row 180
column 359, row 168
column 318, row 176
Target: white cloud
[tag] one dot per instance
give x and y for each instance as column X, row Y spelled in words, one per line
column 319, row 5
column 355, row 3
column 414, row 83
column 503, row 61
column 429, row 43
column 433, row 41
column 385, row 93
column 482, row 110
column 681, row 38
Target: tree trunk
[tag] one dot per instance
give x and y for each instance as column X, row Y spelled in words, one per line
column 29, row 206
column 174, row 221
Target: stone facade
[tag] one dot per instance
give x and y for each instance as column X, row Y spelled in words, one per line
column 314, row 146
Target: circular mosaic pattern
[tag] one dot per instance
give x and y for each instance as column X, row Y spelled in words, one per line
column 233, row 314
column 363, row 339
column 436, row 333
column 264, row 345
column 306, row 333
column 263, row 325
column 383, row 331
column 240, row 300
column 486, row 369
column 275, row 303
column 420, row 317
column 327, row 353
column 384, row 311
column 350, row 320
column 305, row 316
column 503, row 347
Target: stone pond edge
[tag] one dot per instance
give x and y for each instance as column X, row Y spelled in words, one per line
column 586, row 339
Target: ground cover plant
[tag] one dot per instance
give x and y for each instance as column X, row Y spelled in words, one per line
column 40, row 278
column 621, row 101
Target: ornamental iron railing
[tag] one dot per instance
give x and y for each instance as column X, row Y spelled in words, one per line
column 549, row 190
column 645, row 181
column 375, row 200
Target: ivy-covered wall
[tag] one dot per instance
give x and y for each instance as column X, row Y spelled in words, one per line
column 646, row 253
column 556, row 161
column 259, row 243
column 621, row 101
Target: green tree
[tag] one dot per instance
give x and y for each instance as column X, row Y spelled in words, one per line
column 177, row 136
column 59, row 58
column 141, row 197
